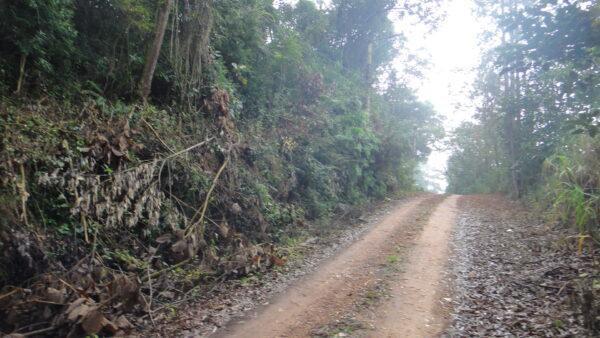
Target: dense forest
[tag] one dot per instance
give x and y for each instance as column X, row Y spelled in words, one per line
column 152, row 145
column 150, row 150
column 535, row 131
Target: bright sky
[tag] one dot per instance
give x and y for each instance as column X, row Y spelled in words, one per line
column 453, row 53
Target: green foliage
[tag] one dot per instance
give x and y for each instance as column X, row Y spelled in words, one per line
column 285, row 94
column 355, row 25
column 393, row 259
column 40, row 34
column 571, row 180
column 477, row 162
column 292, row 75
column 111, row 52
column 537, row 89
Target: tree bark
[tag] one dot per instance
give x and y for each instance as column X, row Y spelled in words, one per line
column 21, row 73
column 154, row 50
column 369, row 77
column 510, row 113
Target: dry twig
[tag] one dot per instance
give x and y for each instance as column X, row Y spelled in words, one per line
column 200, row 222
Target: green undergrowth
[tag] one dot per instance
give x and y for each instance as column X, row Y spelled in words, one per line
column 118, row 189
column 570, row 194
column 57, row 169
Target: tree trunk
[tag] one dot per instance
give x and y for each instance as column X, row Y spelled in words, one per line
column 510, row 113
column 21, row 73
column 154, row 50
column 369, row 76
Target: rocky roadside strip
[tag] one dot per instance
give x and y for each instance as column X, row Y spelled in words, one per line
column 206, row 313
column 514, row 276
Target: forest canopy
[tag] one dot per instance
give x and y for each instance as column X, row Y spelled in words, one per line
column 152, row 149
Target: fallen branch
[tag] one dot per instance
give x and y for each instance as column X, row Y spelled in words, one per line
column 36, row 332
column 151, row 292
column 160, row 272
column 85, row 227
column 77, row 292
column 187, row 149
column 150, row 287
column 30, row 326
column 186, row 296
column 168, row 157
column 200, row 222
column 156, row 135
column 562, row 288
column 9, row 293
column 22, row 186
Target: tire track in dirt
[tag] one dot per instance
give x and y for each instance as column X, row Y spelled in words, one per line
column 414, row 310
column 322, row 296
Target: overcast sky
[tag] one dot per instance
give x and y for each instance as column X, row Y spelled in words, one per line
column 453, row 52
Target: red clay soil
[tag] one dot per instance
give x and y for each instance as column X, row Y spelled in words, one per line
column 412, row 310
column 321, row 297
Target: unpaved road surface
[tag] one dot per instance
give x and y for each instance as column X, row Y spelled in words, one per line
column 323, row 297
column 429, row 266
column 411, row 312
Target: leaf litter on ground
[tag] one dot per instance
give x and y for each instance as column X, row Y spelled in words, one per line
column 516, row 276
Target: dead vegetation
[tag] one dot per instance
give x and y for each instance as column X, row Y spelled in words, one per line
column 516, row 276
column 99, row 221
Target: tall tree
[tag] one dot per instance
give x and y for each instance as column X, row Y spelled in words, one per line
column 36, row 41
column 154, row 50
column 537, row 86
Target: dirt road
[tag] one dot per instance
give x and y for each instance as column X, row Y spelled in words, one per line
column 507, row 274
column 414, row 235
column 412, row 310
